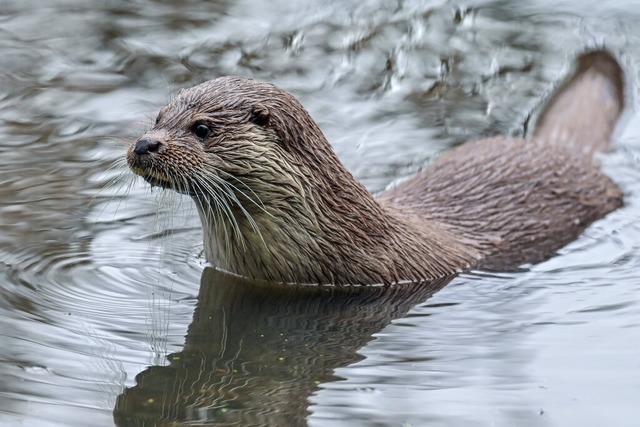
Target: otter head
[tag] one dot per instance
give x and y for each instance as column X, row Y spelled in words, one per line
column 231, row 140
column 206, row 133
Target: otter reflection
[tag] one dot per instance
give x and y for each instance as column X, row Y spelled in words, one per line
column 255, row 352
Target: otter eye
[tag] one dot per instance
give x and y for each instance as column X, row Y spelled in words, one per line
column 201, row 131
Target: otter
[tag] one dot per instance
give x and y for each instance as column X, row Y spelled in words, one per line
column 277, row 204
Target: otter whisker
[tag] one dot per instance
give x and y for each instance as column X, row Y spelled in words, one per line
column 224, row 208
column 228, row 188
column 220, row 213
column 119, row 163
column 259, row 202
column 122, row 180
column 213, row 197
column 254, row 225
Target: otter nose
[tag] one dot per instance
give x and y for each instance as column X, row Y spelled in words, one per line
column 146, row 145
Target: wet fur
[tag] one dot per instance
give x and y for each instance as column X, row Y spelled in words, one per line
column 294, row 213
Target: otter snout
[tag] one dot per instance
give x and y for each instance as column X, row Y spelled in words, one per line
column 141, row 155
column 146, row 145
column 155, row 158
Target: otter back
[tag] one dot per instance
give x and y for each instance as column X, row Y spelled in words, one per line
column 521, row 200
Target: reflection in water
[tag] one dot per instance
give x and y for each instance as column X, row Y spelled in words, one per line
column 255, row 351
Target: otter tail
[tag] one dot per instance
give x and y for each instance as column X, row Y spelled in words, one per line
column 582, row 114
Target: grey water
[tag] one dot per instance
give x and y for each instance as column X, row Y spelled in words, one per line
column 109, row 314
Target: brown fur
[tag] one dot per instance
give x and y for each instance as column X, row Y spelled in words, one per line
column 277, row 204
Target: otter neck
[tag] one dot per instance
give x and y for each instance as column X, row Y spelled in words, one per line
column 322, row 226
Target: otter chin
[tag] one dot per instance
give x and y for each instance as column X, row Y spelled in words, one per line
column 277, row 204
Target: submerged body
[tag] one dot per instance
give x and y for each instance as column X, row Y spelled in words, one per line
column 277, row 204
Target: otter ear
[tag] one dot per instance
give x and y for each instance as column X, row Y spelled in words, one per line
column 260, row 115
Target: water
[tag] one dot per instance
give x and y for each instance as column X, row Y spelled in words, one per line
column 103, row 318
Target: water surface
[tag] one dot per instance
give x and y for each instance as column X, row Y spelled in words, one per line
column 109, row 315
